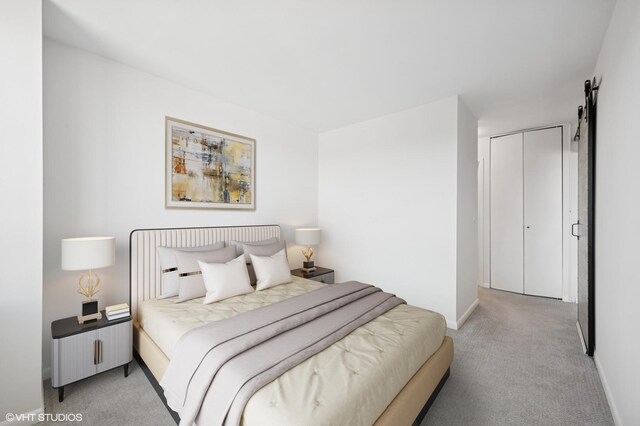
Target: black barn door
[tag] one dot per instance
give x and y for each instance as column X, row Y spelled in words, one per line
column 584, row 230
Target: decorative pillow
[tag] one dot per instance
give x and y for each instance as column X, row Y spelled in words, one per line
column 169, row 267
column 263, row 249
column 239, row 244
column 260, row 250
column 271, row 270
column 191, row 282
column 225, row 280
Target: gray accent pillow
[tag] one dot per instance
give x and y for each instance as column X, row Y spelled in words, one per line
column 169, row 267
column 239, row 244
column 189, row 274
column 262, row 249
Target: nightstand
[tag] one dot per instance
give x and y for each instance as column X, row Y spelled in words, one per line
column 79, row 351
column 324, row 275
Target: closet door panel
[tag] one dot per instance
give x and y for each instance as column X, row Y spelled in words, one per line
column 543, row 212
column 507, row 213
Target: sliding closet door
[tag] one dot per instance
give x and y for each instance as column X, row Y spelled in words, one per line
column 543, row 212
column 583, row 240
column 507, row 213
column 586, row 220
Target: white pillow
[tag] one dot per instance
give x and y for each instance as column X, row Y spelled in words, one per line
column 191, row 282
column 225, row 280
column 169, row 267
column 271, row 270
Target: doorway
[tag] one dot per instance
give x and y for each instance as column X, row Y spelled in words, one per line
column 526, row 212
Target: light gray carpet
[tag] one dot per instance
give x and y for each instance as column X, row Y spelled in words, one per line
column 110, row 399
column 518, row 361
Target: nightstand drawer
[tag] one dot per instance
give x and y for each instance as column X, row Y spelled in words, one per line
column 325, row 278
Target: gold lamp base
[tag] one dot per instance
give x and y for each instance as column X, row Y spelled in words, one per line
column 90, row 312
column 308, row 267
column 84, row 318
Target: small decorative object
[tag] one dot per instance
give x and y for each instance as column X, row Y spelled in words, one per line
column 308, row 237
column 80, row 254
column 208, row 168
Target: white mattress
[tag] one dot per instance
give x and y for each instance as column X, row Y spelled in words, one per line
column 350, row 382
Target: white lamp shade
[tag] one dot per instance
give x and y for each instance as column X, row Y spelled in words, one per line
column 80, row 254
column 308, row 236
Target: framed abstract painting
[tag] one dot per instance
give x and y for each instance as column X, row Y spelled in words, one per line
column 208, row 168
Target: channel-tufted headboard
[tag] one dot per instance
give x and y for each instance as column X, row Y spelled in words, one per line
column 144, row 269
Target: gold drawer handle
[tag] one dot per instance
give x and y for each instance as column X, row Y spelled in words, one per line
column 97, row 352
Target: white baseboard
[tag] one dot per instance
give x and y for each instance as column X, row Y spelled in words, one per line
column 485, row 285
column 33, row 415
column 607, row 391
column 456, row 325
column 466, row 315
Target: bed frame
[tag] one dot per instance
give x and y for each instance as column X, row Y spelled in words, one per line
column 408, row 407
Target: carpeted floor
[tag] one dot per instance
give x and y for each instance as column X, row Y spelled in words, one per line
column 518, row 361
column 110, row 399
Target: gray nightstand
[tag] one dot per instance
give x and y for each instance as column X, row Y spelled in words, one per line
column 324, row 275
column 79, row 351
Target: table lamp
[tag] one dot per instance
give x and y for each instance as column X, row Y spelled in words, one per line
column 87, row 254
column 308, row 237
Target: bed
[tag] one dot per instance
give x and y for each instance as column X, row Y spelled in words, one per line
column 386, row 372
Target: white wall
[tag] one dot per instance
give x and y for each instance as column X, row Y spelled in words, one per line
column 484, row 211
column 104, row 167
column 617, row 206
column 467, row 212
column 388, row 204
column 21, row 212
column 569, row 212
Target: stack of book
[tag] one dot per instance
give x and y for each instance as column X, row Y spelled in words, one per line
column 117, row 311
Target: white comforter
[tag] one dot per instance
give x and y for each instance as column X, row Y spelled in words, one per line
column 351, row 382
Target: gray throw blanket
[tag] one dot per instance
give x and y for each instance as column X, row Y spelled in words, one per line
column 216, row 368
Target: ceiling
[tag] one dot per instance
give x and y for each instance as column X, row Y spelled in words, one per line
column 326, row 64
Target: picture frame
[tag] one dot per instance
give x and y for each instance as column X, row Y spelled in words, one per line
column 207, row 168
